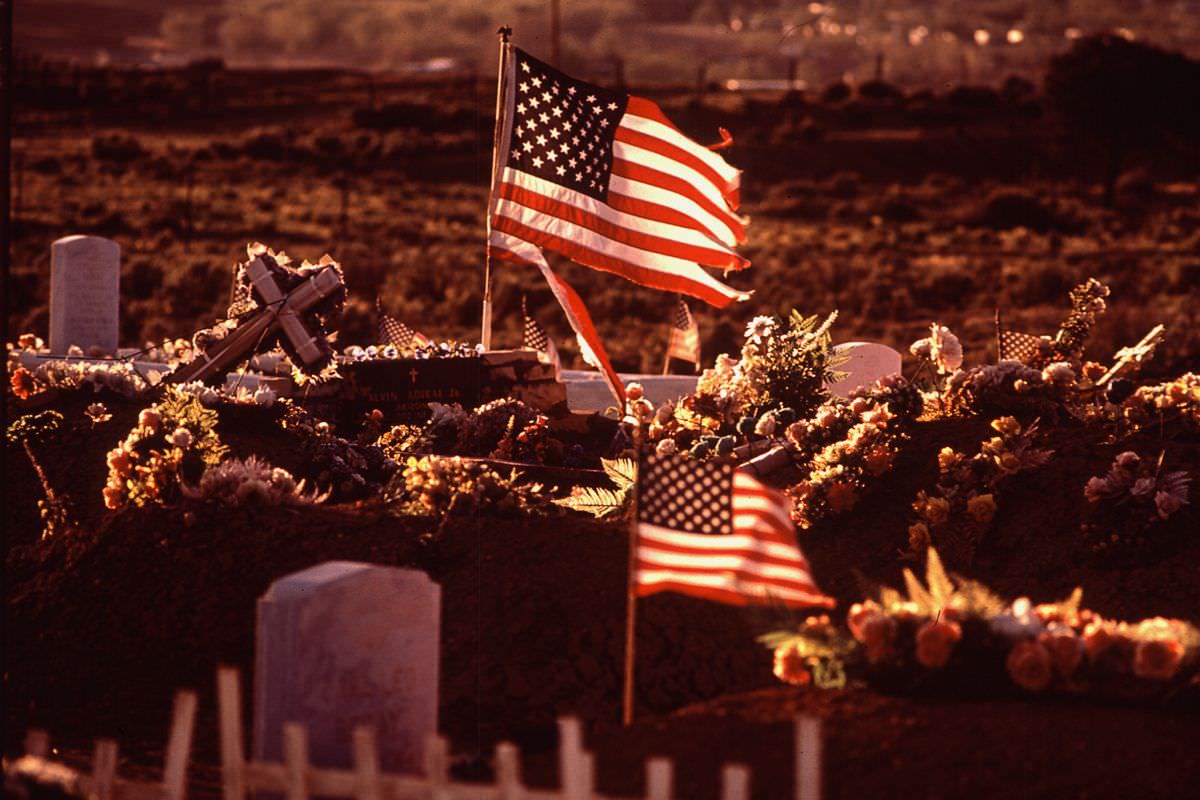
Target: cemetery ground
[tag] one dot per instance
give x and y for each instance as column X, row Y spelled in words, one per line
column 896, row 214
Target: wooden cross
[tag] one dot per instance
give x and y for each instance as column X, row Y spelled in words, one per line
column 1129, row 359
column 283, row 312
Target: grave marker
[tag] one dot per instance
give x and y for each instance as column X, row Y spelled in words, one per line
column 867, row 362
column 85, row 281
column 345, row 644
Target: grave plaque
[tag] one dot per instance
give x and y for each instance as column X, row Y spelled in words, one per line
column 85, row 279
column 403, row 388
column 344, row 644
column 867, row 362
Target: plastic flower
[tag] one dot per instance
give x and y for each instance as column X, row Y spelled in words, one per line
column 1065, row 648
column 181, row 438
column 879, row 637
column 1006, row 426
column 918, row 536
column 1167, row 503
column 945, row 351
column 119, row 461
column 1157, row 659
column 760, row 328
column 935, row 642
column 946, row 458
column 765, row 425
column 982, row 508
column 1030, row 666
column 666, row 447
column 1128, row 460
column 634, row 391
column 879, row 460
column 841, row 496
column 790, row 666
column 112, row 497
column 1059, row 373
column 936, row 510
column 150, row 418
column 23, row 383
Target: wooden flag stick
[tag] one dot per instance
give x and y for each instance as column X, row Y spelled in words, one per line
column 486, row 334
column 999, row 346
column 631, row 615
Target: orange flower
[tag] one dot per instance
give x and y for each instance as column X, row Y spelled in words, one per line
column 1157, row 659
column 879, row 460
column 1066, row 650
column 918, row 536
column 935, row 642
column 982, row 508
column 1029, row 665
column 791, row 667
column 112, row 497
column 23, row 383
column 1097, row 637
column 879, row 637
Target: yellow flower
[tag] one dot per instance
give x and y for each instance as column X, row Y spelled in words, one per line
column 1008, row 462
column 937, row 510
column 918, row 536
column 982, row 508
column 1006, row 426
column 946, row 458
column 993, row 446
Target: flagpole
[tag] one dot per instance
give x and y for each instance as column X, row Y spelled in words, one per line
column 630, row 614
column 999, row 350
column 486, row 334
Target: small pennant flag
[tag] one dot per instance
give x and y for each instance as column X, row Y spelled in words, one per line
column 1017, row 346
column 394, row 332
column 684, row 340
column 536, row 338
column 710, row 531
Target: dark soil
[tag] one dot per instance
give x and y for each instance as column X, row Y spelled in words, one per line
column 103, row 625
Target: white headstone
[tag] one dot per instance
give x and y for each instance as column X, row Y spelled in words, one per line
column 587, row 391
column 867, row 362
column 85, row 288
column 344, row 644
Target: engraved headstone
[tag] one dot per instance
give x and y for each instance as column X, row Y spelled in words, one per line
column 344, row 644
column 85, row 280
column 867, row 362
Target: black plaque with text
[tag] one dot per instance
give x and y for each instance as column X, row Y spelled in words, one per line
column 403, row 388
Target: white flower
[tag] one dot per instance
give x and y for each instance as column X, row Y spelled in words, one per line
column 1018, row 622
column 265, row 396
column 921, row 348
column 765, row 425
column 355, row 352
column 1128, row 460
column 760, row 328
column 1096, row 489
column 666, row 447
column 1059, row 373
column 182, row 438
column 945, row 351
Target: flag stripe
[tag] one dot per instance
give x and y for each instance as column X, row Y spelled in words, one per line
column 662, row 162
column 669, row 175
column 643, row 141
column 532, row 193
column 598, row 252
column 646, row 116
column 724, row 589
column 788, row 577
column 645, row 200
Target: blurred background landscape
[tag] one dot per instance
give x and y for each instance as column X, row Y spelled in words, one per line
column 904, row 162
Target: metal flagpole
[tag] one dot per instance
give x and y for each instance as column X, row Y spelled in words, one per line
column 486, row 334
column 631, row 613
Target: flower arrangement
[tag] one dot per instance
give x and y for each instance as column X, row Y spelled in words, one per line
column 251, row 481
column 782, row 365
column 173, row 442
column 953, row 633
column 441, row 487
column 1131, row 499
column 119, row 377
column 1172, row 401
column 346, row 470
column 1087, row 303
column 446, row 349
column 959, row 511
column 54, row 509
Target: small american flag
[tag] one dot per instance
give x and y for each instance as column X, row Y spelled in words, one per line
column 684, row 340
column 394, row 332
column 536, row 338
column 606, row 180
column 707, row 530
column 1017, row 346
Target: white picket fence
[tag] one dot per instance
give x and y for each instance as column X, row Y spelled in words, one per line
column 296, row 779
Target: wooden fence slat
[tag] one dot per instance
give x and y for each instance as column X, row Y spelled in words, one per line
column 366, row 765
column 229, row 702
column 808, row 758
column 508, row 772
column 572, row 767
column 735, row 782
column 104, row 769
column 37, row 743
column 295, row 760
column 179, row 746
column 660, row 774
column 437, row 767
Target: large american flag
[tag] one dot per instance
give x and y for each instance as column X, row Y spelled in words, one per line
column 710, row 531
column 605, row 179
column 684, row 340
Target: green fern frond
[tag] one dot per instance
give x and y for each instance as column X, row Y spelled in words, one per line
column 940, row 586
column 595, row 500
column 621, row 471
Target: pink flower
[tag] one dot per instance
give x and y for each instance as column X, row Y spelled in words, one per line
column 1143, row 487
column 1167, row 503
column 1157, row 659
column 826, row 418
column 119, row 461
column 935, row 642
column 112, row 497
column 879, row 637
column 879, row 416
column 1029, row 665
column 1096, row 489
column 1128, row 460
column 634, row 391
column 150, row 418
column 859, row 404
column 790, row 666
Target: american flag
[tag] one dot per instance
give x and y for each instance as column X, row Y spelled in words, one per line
column 394, row 332
column 684, row 339
column 605, row 179
column 708, row 530
column 1017, row 346
column 536, row 338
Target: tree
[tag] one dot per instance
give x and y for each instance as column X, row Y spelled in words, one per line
column 1123, row 95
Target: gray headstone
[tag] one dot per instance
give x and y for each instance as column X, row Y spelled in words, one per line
column 85, row 289
column 344, row 644
column 867, row 362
